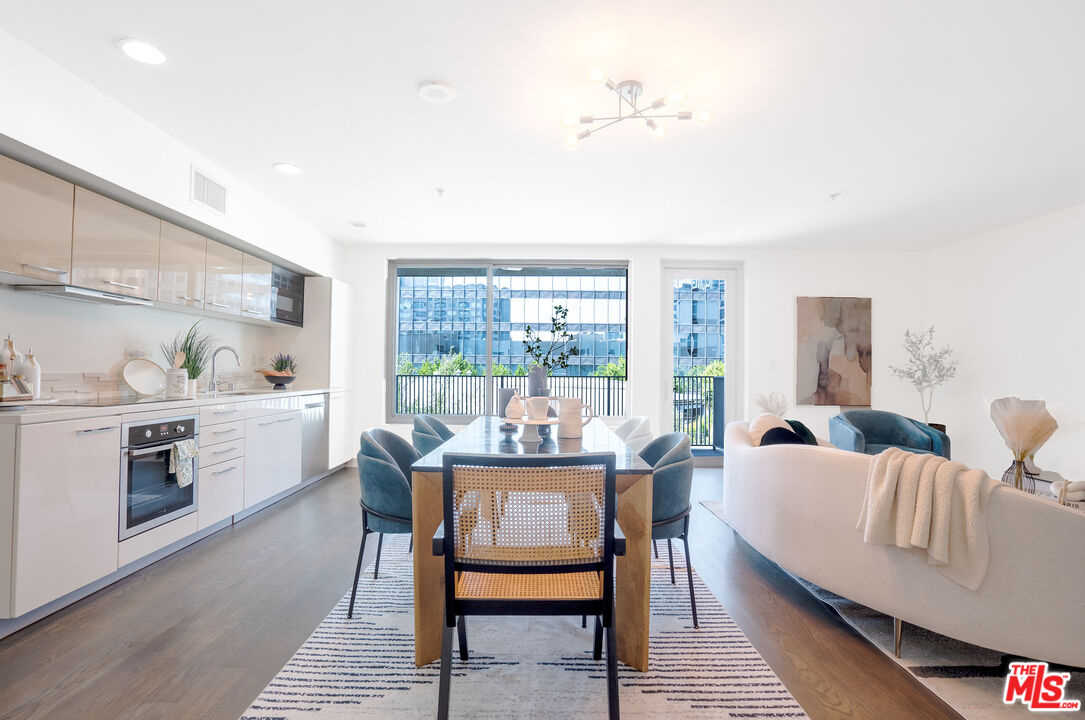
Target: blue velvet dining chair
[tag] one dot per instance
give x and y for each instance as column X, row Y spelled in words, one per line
column 672, row 480
column 872, row 431
column 429, row 434
column 384, row 472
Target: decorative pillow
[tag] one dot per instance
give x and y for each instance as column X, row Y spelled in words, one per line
column 762, row 424
column 803, row 432
column 780, row 436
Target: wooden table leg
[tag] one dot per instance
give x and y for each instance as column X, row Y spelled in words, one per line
column 634, row 572
column 429, row 580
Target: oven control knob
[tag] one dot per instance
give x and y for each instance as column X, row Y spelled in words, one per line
column 147, row 433
column 180, row 428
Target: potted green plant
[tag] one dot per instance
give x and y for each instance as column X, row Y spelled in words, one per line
column 560, row 349
column 197, row 345
column 283, row 371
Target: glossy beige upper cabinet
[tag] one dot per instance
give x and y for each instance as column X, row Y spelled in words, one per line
column 35, row 223
column 182, row 263
column 223, row 285
column 114, row 247
column 256, row 288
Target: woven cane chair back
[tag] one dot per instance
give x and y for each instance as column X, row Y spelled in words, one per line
column 525, row 516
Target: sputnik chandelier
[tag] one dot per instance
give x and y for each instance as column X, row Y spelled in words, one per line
column 629, row 92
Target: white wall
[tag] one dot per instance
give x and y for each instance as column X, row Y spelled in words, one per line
column 773, row 279
column 1009, row 303
column 50, row 109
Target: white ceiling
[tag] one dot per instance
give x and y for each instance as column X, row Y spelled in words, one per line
column 934, row 120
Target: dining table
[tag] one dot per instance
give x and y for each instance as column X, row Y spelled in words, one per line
column 633, row 570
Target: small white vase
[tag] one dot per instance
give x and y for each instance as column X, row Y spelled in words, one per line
column 192, row 388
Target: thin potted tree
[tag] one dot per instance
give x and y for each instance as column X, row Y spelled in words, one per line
column 927, row 368
column 561, row 348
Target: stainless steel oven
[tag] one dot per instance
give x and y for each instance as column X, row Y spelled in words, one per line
column 150, row 494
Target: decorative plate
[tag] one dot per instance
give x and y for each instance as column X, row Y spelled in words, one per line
column 144, row 376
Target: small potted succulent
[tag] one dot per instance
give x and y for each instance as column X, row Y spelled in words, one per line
column 283, row 371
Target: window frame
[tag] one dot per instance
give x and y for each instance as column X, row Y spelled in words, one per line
column 391, row 319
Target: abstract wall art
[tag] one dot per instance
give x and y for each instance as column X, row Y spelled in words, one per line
column 833, row 363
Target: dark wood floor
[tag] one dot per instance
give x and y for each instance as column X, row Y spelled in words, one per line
column 198, row 634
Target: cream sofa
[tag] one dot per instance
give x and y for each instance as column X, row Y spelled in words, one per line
column 798, row 505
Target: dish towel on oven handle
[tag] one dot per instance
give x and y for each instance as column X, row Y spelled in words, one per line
column 181, row 461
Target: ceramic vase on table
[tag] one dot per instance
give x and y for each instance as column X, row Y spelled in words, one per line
column 537, row 383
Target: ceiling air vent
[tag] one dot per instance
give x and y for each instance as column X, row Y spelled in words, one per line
column 207, row 192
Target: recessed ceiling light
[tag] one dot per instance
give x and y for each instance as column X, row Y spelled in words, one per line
column 142, row 51
column 357, row 223
column 287, row 168
column 436, row 92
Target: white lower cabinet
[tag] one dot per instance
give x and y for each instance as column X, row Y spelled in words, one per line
column 222, row 490
column 67, row 505
column 272, row 455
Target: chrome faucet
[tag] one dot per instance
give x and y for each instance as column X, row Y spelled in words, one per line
column 213, row 386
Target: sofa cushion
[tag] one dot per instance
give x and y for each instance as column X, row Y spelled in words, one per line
column 803, row 432
column 781, row 436
column 762, row 424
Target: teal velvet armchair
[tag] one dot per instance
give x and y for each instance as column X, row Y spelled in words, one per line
column 872, row 431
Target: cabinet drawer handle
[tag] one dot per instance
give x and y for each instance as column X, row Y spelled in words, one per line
column 225, row 412
column 186, row 297
column 120, row 284
column 252, row 312
column 221, row 452
column 281, row 420
column 314, row 405
column 215, row 304
column 94, row 430
column 223, row 472
column 43, row 268
column 223, row 432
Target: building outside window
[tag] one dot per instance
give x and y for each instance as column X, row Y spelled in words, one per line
column 472, row 321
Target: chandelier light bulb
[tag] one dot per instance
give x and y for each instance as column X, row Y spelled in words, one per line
column 569, row 121
column 657, row 130
column 703, row 115
column 571, row 141
column 676, row 95
column 597, row 73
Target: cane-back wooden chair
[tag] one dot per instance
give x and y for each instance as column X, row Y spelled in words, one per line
column 529, row 535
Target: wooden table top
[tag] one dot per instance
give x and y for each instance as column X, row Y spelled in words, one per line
column 483, row 436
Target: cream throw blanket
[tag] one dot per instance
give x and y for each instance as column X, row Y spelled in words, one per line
column 928, row 502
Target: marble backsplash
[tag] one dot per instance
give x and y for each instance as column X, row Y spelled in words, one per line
column 106, row 385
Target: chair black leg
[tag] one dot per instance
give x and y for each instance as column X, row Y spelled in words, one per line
column 689, row 575
column 612, row 673
column 583, row 621
column 597, row 648
column 446, row 674
column 655, row 549
column 380, row 541
column 410, row 547
column 461, row 627
column 670, row 555
column 357, row 573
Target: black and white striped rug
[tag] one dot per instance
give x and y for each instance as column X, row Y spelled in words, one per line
column 521, row 667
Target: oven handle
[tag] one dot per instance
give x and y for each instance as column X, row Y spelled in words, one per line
column 150, row 450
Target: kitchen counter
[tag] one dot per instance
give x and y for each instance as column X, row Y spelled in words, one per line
column 54, row 413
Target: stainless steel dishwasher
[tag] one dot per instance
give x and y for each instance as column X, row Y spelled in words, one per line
column 314, row 436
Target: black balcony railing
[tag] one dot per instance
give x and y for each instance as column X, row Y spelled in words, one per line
column 698, row 409
column 466, row 394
